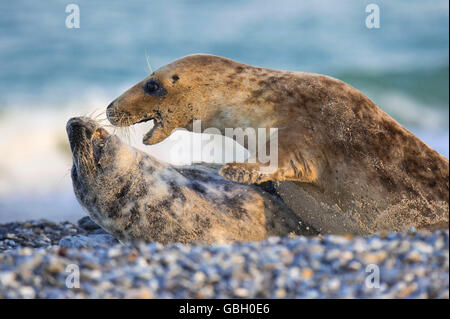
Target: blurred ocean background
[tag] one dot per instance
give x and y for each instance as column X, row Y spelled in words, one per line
column 49, row 73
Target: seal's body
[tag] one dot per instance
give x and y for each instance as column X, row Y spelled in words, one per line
column 135, row 197
column 350, row 167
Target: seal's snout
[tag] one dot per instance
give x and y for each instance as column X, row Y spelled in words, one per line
column 79, row 129
column 83, row 130
column 75, row 131
column 73, row 125
column 111, row 104
column 87, row 141
column 111, row 114
column 110, row 107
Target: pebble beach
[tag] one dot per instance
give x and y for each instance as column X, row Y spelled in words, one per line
column 38, row 259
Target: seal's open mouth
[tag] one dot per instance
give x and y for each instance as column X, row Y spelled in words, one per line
column 87, row 141
column 98, row 140
column 157, row 123
column 127, row 118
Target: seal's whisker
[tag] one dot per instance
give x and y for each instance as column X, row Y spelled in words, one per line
column 123, row 132
column 100, row 116
column 91, row 114
column 67, row 173
column 103, row 120
column 148, row 62
column 85, row 114
column 100, row 113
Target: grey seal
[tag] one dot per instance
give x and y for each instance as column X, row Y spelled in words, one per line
column 344, row 165
column 135, row 197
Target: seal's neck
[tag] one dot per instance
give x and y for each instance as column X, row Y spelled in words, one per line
column 234, row 109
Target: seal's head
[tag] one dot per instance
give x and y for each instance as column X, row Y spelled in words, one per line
column 94, row 150
column 87, row 142
column 102, row 166
column 171, row 96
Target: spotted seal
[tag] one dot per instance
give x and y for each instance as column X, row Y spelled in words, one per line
column 348, row 166
column 134, row 197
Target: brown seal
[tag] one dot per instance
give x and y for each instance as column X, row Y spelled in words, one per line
column 135, row 197
column 350, row 166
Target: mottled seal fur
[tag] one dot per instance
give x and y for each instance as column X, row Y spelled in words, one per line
column 133, row 196
column 350, row 167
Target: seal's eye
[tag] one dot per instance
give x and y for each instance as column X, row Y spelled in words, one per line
column 153, row 87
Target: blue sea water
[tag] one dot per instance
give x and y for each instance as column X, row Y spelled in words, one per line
column 49, row 72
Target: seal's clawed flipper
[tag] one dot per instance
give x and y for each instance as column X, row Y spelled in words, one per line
column 248, row 173
column 256, row 173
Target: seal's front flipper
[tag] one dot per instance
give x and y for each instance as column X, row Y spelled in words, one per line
column 249, row 173
column 256, row 173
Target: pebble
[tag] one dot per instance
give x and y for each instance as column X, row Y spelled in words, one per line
column 81, row 241
column 35, row 257
column 7, row 278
